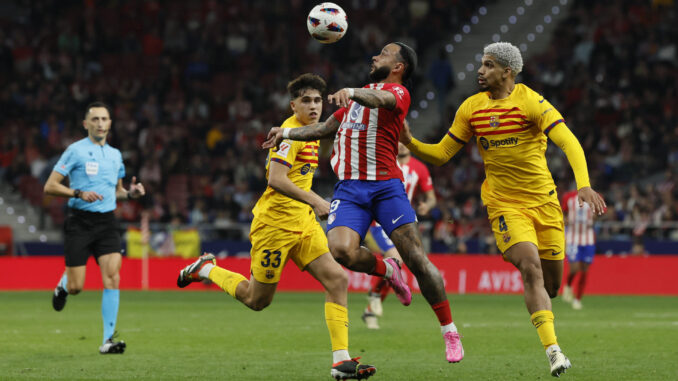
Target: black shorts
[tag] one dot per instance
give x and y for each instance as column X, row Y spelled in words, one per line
column 89, row 233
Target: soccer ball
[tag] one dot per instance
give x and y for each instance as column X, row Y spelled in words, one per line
column 327, row 23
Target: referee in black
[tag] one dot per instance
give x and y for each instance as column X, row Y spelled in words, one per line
column 95, row 171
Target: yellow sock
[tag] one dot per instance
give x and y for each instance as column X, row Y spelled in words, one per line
column 336, row 317
column 543, row 321
column 227, row 280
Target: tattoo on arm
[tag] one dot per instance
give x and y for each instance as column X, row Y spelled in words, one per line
column 374, row 98
column 316, row 131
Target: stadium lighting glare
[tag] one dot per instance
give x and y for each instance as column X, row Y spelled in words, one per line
column 414, row 114
column 449, row 48
column 474, row 19
column 496, row 37
column 563, row 2
column 528, row 2
column 523, row 47
column 430, row 95
column 469, row 67
column 2, row 201
column 479, row 57
column 461, row 75
column 10, row 210
column 530, row 37
column 555, row 10
column 513, row 19
column 503, row 28
column 539, row 28
column 520, row 11
column 466, row 29
column 21, row 219
column 457, row 37
column 423, row 104
column 482, row 11
column 43, row 238
column 547, row 19
column 31, row 229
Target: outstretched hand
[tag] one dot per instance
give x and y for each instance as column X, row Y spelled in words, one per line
column 405, row 134
column 273, row 139
column 136, row 190
column 341, row 98
column 593, row 198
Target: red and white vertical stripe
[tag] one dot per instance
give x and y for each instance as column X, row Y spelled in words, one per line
column 579, row 230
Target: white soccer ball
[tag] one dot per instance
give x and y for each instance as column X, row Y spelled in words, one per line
column 327, row 23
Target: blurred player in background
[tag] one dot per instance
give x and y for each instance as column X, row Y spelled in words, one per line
column 581, row 245
column 417, row 183
column 366, row 130
column 285, row 227
column 95, row 171
column 512, row 124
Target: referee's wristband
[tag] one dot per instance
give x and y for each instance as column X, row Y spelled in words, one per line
column 286, row 133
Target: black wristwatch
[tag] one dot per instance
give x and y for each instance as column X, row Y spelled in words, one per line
column 76, row 193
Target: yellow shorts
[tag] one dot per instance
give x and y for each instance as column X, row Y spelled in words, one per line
column 272, row 247
column 542, row 225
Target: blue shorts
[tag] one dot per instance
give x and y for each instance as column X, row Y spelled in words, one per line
column 385, row 244
column 357, row 202
column 580, row 253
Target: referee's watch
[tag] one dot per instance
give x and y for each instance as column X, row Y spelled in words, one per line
column 76, row 193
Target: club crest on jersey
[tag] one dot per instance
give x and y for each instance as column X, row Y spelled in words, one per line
column 507, row 237
column 399, row 91
column 331, row 218
column 270, row 274
column 355, row 111
column 494, row 121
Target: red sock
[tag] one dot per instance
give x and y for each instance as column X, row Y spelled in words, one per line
column 582, row 284
column 379, row 267
column 378, row 284
column 442, row 311
column 570, row 278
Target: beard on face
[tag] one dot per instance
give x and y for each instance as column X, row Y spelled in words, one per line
column 380, row 73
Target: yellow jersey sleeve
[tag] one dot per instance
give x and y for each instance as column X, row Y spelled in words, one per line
column 565, row 139
column 541, row 112
column 455, row 138
column 301, row 158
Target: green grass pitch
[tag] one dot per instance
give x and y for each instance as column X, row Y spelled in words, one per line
column 188, row 335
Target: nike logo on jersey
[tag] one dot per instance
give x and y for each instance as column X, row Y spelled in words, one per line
column 555, row 253
column 393, row 221
column 542, row 100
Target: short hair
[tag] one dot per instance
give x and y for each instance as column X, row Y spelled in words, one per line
column 97, row 104
column 306, row 81
column 506, row 54
column 409, row 58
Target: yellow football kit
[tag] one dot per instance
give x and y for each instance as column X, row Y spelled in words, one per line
column 518, row 190
column 285, row 228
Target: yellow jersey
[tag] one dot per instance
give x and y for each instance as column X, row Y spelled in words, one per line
column 511, row 137
column 276, row 209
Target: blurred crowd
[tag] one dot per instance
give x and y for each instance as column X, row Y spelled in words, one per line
column 194, row 86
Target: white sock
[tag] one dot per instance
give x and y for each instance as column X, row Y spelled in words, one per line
column 552, row 349
column 340, row 355
column 389, row 270
column 448, row 328
column 205, row 271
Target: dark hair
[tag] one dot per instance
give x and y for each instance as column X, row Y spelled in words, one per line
column 97, row 104
column 409, row 57
column 306, row 81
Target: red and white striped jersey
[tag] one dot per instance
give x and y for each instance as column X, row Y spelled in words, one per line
column 366, row 144
column 579, row 229
column 417, row 178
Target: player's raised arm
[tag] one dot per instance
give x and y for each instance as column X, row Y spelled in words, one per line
column 437, row 154
column 370, row 98
column 307, row 133
column 565, row 139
